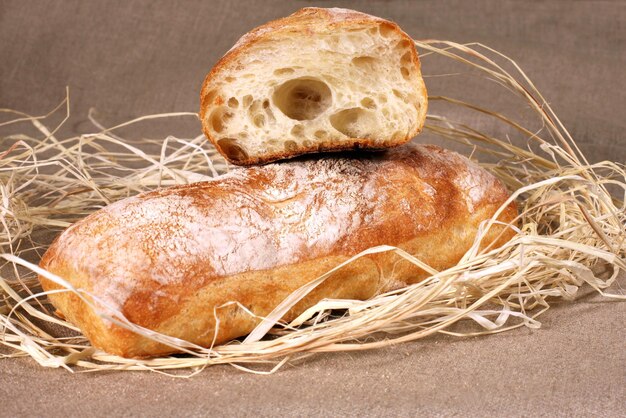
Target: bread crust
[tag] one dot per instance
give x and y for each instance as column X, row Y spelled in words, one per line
column 310, row 20
column 166, row 259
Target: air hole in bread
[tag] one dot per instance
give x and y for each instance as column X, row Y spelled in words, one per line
column 303, row 98
column 403, row 44
column 368, row 103
column 218, row 118
column 291, row 146
column 307, row 143
column 209, row 97
column 321, row 134
column 297, row 130
column 233, row 102
column 229, row 79
column 365, row 63
column 406, row 74
column 399, row 94
column 254, row 110
column 247, row 101
column 406, row 59
column 232, row 150
column 259, row 121
column 255, row 106
column 386, row 30
column 283, row 71
column 354, row 122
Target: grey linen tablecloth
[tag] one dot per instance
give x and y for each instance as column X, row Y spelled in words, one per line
column 130, row 58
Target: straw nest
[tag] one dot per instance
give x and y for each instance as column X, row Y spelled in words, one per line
column 572, row 230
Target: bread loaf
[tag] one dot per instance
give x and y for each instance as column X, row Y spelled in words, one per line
column 166, row 259
column 318, row 80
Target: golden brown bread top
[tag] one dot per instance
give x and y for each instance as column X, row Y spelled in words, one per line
column 136, row 253
column 311, row 20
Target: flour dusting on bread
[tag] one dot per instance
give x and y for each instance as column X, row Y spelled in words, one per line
column 256, row 219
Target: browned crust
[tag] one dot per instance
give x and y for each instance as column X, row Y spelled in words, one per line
column 311, row 19
column 420, row 204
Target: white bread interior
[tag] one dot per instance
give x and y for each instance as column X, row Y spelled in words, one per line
column 345, row 81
